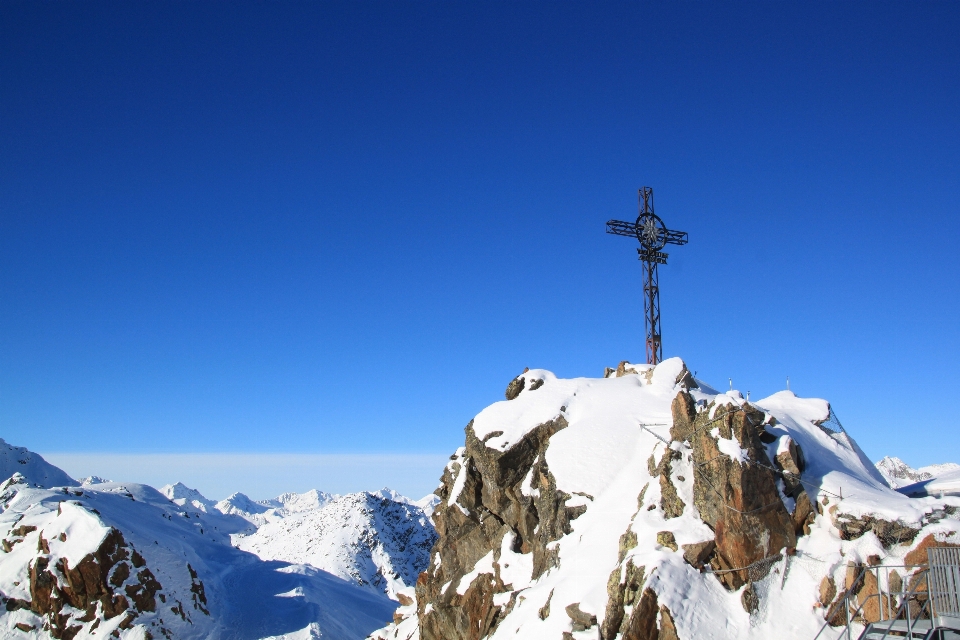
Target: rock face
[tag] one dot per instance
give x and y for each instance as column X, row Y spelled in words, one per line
column 483, row 505
column 737, row 495
column 644, row 506
column 85, row 575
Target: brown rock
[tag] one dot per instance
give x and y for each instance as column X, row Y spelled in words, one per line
column 404, row 600
column 696, row 554
column 868, row 596
column 668, row 630
column 828, row 590
column 739, row 501
column 580, row 619
column 853, row 578
column 625, row 369
column 667, row 539
column 749, row 599
column 889, row 533
column 836, row 614
column 544, row 611
column 918, row 555
column 493, row 506
column 642, row 624
column 620, row 594
column 515, row 387
column 684, row 410
column 803, row 514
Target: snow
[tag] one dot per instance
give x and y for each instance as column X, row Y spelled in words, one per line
column 603, row 453
column 730, row 447
column 248, row 596
column 370, row 539
column 32, row 467
column 899, row 474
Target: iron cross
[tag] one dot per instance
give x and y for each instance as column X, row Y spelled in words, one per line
column 653, row 236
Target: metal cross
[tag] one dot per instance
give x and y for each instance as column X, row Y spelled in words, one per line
column 653, row 236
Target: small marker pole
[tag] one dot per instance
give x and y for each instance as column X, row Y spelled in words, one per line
column 788, row 383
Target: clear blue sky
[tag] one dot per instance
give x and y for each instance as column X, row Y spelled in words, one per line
column 342, row 228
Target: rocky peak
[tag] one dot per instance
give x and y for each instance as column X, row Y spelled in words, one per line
column 645, row 505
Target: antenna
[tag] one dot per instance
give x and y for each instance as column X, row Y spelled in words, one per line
column 731, row 384
column 788, row 383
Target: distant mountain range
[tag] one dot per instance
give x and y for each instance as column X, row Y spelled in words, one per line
column 93, row 558
column 899, row 474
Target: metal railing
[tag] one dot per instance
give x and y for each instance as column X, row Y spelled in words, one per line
column 892, row 604
column 944, row 563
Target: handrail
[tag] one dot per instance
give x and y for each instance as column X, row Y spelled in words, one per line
column 905, row 600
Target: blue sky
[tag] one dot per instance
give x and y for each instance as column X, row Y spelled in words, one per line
column 342, row 228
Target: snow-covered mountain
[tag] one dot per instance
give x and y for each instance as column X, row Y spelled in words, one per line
column 379, row 540
column 31, row 466
column 899, row 474
column 647, row 505
column 127, row 560
column 88, row 562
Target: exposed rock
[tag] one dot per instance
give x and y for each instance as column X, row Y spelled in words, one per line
column 918, row 555
column 670, row 501
column 621, row 593
column 791, row 464
column 90, row 582
column 491, row 505
column 828, row 591
column 889, row 533
column 867, row 595
column 667, row 539
column 668, row 629
column 544, row 611
column 739, row 501
column 642, row 624
column 696, row 554
column 625, row 369
column 515, row 387
column 749, row 599
column 536, row 384
column 627, row 542
column 580, row 619
column 804, row 514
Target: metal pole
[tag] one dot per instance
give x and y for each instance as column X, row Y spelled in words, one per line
column 651, row 300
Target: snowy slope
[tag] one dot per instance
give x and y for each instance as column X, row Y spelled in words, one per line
column 377, row 540
column 31, row 466
column 602, row 461
column 167, row 570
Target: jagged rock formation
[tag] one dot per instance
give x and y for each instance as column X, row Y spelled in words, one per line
column 645, row 506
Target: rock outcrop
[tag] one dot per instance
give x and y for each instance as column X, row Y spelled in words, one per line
column 483, row 504
column 645, row 506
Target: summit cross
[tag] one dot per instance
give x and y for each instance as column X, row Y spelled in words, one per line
column 653, row 236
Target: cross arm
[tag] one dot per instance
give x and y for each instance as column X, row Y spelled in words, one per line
column 676, row 237
column 629, row 229
column 622, row 228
